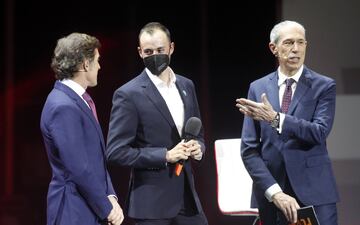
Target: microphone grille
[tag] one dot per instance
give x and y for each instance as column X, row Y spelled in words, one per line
column 193, row 126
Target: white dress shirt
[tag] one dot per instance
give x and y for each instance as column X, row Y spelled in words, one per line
column 77, row 88
column 172, row 97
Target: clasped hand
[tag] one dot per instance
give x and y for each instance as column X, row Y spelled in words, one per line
column 184, row 150
column 262, row 111
column 116, row 215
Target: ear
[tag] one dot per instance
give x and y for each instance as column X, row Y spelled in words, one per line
column 86, row 65
column 273, row 49
column 172, row 47
column 139, row 51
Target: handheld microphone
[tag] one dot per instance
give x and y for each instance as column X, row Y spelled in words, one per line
column 192, row 130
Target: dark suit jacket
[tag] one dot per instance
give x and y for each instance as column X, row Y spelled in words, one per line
column 300, row 150
column 75, row 146
column 141, row 130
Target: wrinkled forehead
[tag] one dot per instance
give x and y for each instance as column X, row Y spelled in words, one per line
column 293, row 32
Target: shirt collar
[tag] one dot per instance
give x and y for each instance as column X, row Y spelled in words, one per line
column 74, row 86
column 283, row 77
column 157, row 81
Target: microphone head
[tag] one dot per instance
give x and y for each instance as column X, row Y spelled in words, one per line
column 193, row 126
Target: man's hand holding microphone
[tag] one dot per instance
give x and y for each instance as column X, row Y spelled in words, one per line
column 188, row 147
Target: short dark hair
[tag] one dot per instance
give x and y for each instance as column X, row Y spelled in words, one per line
column 71, row 51
column 152, row 26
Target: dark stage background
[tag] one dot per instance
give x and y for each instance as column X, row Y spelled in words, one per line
column 220, row 46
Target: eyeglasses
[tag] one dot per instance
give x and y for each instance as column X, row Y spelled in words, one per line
column 291, row 43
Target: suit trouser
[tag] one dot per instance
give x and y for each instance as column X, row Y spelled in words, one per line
column 188, row 214
column 198, row 219
column 271, row 215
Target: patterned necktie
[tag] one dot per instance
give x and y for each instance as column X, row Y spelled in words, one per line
column 287, row 95
column 91, row 103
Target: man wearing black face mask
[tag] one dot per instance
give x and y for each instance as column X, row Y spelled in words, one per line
column 146, row 131
column 156, row 63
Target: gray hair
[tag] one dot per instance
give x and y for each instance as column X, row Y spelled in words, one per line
column 71, row 51
column 274, row 34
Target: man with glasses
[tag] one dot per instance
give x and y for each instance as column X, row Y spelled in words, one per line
column 288, row 115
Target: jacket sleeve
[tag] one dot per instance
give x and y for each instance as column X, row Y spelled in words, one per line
column 251, row 151
column 197, row 114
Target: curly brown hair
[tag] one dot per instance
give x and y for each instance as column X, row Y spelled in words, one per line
column 70, row 53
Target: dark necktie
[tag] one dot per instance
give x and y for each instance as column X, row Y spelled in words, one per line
column 287, row 95
column 91, row 103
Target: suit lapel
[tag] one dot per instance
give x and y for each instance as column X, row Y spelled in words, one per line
column 184, row 94
column 78, row 101
column 301, row 88
column 155, row 97
column 273, row 91
column 88, row 112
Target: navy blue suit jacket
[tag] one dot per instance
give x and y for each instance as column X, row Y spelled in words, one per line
column 141, row 130
column 300, row 149
column 80, row 184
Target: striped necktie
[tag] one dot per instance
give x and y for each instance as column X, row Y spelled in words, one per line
column 287, row 95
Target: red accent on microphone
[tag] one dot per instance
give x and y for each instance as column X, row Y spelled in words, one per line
column 192, row 129
column 178, row 168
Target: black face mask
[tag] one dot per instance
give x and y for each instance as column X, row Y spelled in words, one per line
column 157, row 63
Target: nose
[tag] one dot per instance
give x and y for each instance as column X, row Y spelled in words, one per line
column 295, row 46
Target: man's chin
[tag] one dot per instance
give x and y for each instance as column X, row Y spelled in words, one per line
column 294, row 65
column 93, row 84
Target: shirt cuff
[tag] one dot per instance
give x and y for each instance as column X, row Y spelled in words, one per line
column 273, row 189
column 281, row 122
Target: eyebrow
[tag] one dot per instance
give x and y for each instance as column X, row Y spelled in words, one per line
column 154, row 48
